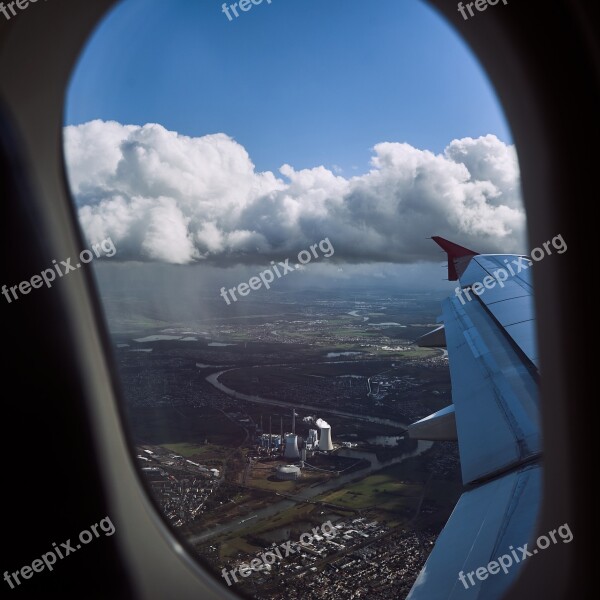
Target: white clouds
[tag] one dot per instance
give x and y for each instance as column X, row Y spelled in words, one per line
column 166, row 238
column 488, row 160
column 170, row 198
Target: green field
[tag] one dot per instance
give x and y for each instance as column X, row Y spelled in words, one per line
column 397, row 491
column 183, row 449
column 381, row 491
column 208, row 451
column 232, row 547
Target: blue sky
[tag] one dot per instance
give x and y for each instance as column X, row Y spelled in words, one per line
column 304, row 82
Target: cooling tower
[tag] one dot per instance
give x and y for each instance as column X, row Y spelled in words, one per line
column 291, row 446
column 325, row 443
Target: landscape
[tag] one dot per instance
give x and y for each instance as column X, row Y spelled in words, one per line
column 202, row 396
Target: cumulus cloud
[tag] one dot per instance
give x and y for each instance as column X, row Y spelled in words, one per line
column 175, row 199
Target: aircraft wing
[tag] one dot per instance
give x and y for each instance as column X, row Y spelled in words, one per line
column 489, row 331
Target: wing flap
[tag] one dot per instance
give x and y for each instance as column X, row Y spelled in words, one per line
column 494, row 393
column 488, row 522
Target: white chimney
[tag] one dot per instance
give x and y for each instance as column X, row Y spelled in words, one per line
column 325, row 443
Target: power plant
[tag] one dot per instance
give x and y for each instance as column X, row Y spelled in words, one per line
column 292, row 447
column 269, row 441
column 325, row 443
column 287, row 472
column 312, row 441
column 291, row 441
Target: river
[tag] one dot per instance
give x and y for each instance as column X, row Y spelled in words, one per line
column 214, row 381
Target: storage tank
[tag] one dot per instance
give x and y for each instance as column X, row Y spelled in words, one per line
column 287, row 472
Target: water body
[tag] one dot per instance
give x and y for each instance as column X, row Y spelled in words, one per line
column 338, row 354
column 384, row 440
column 354, row 313
column 220, row 344
column 157, row 338
column 376, row 464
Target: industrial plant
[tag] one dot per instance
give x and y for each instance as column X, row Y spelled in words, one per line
column 294, row 450
column 325, row 443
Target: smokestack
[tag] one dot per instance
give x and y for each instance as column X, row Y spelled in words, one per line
column 281, row 429
column 293, row 420
column 270, row 438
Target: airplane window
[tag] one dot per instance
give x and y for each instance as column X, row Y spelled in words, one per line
column 263, row 179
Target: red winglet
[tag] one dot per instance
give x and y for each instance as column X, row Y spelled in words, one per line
column 455, row 252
